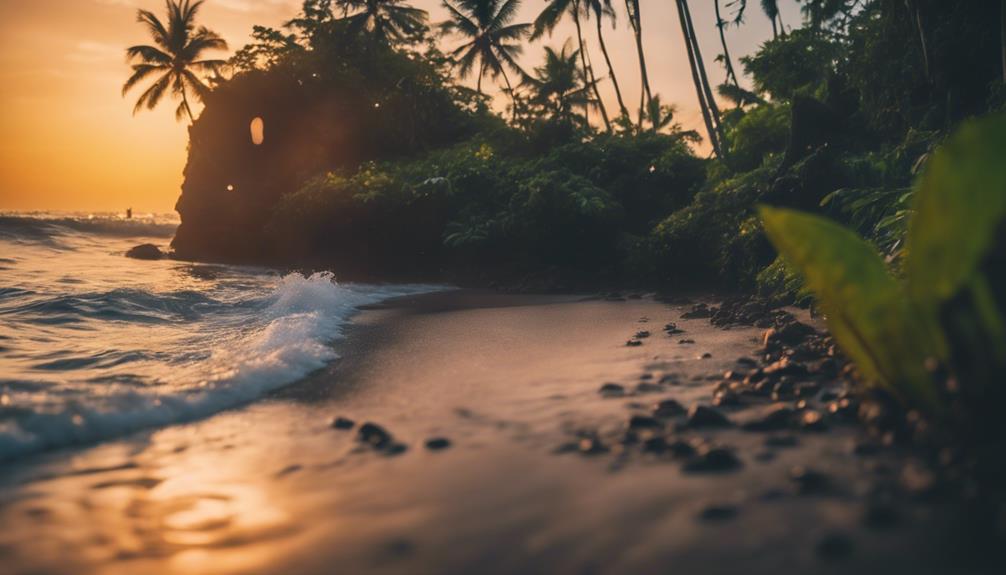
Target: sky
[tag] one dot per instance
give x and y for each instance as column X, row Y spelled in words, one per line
column 70, row 142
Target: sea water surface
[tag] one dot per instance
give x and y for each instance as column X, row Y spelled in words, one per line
column 95, row 345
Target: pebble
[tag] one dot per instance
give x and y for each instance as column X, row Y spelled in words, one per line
column 633, row 343
column 812, row 420
column 715, row 459
column 808, row 481
column 779, row 418
column 686, row 341
column 343, row 423
column 642, row 334
column 647, row 387
column 681, row 448
column 672, row 329
column 705, row 355
column 718, row 512
column 374, row 435
column 395, row 448
column 725, row 397
column 437, row 443
column 668, row 408
column 702, row 416
column 644, row 422
column 592, row 446
column 834, row 546
column 612, row 390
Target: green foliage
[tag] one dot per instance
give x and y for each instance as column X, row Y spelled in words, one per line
column 950, row 295
column 797, row 63
column 760, row 131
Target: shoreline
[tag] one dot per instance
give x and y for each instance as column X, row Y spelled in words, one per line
column 509, row 381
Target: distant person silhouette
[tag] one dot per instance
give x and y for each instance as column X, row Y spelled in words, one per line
column 129, row 213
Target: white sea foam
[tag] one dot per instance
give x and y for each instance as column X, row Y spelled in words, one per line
column 278, row 339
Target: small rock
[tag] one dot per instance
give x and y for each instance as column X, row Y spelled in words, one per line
column 725, row 397
column 747, row 362
column 592, row 446
column 681, row 449
column 764, row 456
column 812, row 420
column 437, row 443
column 343, row 423
column 145, row 252
column 705, row 355
column 698, row 311
column 633, row 343
column 686, row 341
column 672, row 329
column 702, row 416
column 374, row 434
column 718, row 512
column 643, row 334
column 808, row 481
column 834, row 546
column 647, row 387
column 656, row 445
column 395, row 448
column 668, row 408
column 612, row 390
column 712, row 460
column 644, row 422
column 777, row 419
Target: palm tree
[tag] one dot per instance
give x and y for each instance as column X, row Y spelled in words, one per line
column 661, row 115
column 603, row 9
column 721, row 24
column 388, row 20
column 707, row 104
column 636, row 22
column 549, row 19
column 771, row 9
column 559, row 86
column 176, row 56
column 493, row 39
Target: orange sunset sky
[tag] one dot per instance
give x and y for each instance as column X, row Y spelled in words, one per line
column 70, row 141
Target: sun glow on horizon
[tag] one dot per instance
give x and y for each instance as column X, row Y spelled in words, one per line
column 70, row 141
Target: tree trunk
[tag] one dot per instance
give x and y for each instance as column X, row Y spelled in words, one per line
column 587, row 73
column 513, row 97
column 645, row 96
column 915, row 13
column 713, row 139
column 782, row 27
column 188, row 110
column 611, row 70
column 721, row 24
column 1002, row 35
column 714, row 108
column 775, row 29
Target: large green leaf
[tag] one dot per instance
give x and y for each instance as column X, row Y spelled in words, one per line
column 866, row 308
column 959, row 202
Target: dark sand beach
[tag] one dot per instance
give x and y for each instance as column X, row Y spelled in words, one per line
column 535, row 475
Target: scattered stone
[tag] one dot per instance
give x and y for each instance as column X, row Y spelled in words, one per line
column 789, row 334
column 395, row 448
column 657, row 445
column 644, row 422
column 779, row 418
column 702, row 416
column 811, row 420
column 686, row 341
column 673, row 329
column 705, row 355
column 612, row 390
column 698, row 311
column 643, row 334
column 725, row 398
column 834, row 546
column 668, row 408
column 747, row 362
column 343, row 423
column 437, row 443
column 786, row 366
column 808, row 481
column 647, row 387
column 681, row 449
column 145, row 252
column 633, row 343
column 592, row 446
column 718, row 512
column 712, row 460
column 646, row 377
column 374, row 435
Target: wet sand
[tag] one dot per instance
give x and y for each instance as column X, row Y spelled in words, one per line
column 511, row 381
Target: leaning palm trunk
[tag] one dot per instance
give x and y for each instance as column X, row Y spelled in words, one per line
column 714, row 109
column 706, row 116
column 611, row 70
column 587, row 73
column 915, row 13
column 645, row 96
column 727, row 62
column 1002, row 35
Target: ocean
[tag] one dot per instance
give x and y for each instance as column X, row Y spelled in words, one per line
column 95, row 345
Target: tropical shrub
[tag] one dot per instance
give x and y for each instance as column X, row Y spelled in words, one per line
column 935, row 338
